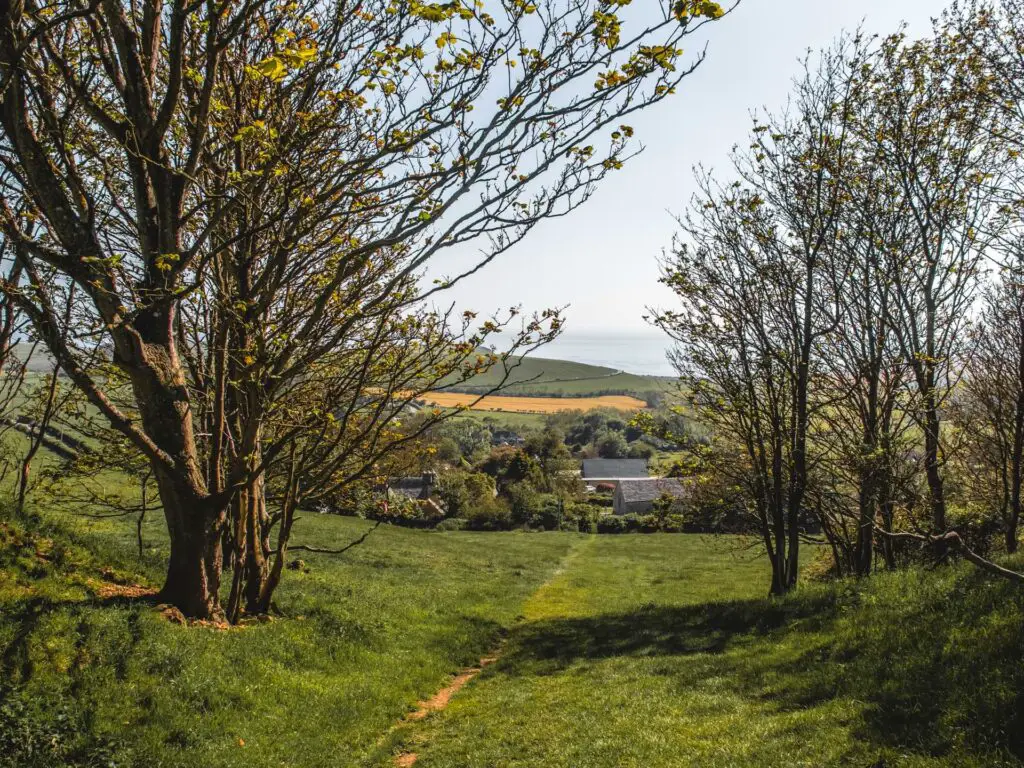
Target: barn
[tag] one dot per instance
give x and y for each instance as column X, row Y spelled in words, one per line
column 613, row 470
column 637, row 497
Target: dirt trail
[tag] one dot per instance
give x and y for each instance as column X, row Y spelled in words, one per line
column 440, row 700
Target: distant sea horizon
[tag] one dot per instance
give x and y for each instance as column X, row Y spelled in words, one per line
column 640, row 352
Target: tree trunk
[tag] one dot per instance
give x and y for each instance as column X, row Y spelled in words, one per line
column 864, row 547
column 257, row 569
column 937, row 495
column 781, row 582
column 888, row 548
column 1017, row 459
column 194, row 566
column 194, row 520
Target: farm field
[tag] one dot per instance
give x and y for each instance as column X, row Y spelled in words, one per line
column 533, row 404
column 655, row 651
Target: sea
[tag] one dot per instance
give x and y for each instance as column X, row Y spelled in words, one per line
column 630, row 351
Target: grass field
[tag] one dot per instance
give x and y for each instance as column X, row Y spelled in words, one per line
column 661, row 651
column 541, row 376
column 507, row 419
column 533, row 404
column 621, row 651
column 89, row 680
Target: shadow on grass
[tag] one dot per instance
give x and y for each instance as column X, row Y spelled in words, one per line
column 936, row 672
column 550, row 645
column 26, row 616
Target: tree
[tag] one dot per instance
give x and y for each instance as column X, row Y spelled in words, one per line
column 611, row 445
column 931, row 126
column 864, row 431
column 751, row 273
column 991, row 405
column 236, row 200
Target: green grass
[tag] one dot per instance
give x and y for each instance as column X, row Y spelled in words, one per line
column 365, row 636
column 654, row 651
column 660, row 651
column 539, row 376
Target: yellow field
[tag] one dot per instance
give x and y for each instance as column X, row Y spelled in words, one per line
column 534, row 404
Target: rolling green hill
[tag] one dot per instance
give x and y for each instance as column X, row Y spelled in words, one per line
column 538, row 376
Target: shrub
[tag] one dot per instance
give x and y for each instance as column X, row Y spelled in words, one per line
column 408, row 513
column 549, row 516
column 582, row 517
column 611, row 524
column 640, row 451
column 612, row 445
column 461, row 491
column 634, row 524
column 495, row 516
column 524, row 502
column 451, row 524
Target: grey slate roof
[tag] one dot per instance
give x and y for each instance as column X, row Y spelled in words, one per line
column 410, row 487
column 613, row 468
column 650, row 489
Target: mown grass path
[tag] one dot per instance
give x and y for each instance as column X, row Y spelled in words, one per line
column 403, row 733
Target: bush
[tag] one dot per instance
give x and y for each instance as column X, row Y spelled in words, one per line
column 462, row 491
column 612, row 445
column 640, row 451
column 408, row 513
column 549, row 516
column 489, row 517
column 451, row 524
column 635, row 524
column 611, row 524
column 582, row 517
column 524, row 502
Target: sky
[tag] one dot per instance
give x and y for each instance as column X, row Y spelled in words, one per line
column 601, row 262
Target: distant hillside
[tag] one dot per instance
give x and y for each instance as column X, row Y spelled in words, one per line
column 560, row 378
column 39, row 360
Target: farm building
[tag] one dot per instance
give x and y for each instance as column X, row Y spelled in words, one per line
column 611, row 471
column 637, row 497
column 418, row 489
column 507, row 437
column 415, row 487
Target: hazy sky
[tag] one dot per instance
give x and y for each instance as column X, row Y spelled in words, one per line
column 602, row 260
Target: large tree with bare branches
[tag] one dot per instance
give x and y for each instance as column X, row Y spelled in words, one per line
column 238, row 198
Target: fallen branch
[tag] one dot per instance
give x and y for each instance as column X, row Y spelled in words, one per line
column 956, row 541
column 320, row 551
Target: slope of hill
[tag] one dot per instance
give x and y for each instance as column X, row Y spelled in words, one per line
column 540, row 376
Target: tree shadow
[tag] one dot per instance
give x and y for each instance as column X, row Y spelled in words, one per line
column 27, row 615
column 919, row 679
column 545, row 647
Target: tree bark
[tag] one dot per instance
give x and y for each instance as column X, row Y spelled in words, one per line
column 195, row 562
column 194, row 519
column 936, row 491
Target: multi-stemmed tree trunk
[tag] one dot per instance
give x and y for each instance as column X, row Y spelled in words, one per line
column 327, row 149
column 990, row 407
column 751, row 274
